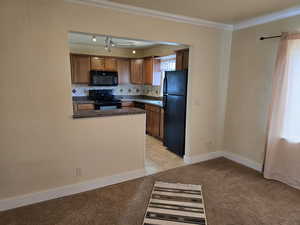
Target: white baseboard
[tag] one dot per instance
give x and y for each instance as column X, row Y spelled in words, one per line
column 202, row 157
column 229, row 155
column 244, row 161
column 36, row 197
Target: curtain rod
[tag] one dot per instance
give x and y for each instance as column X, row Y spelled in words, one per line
column 271, row 37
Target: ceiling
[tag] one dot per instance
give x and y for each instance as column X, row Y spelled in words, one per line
column 81, row 38
column 222, row 11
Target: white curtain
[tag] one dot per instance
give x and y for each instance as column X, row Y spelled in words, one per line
column 283, row 144
column 291, row 122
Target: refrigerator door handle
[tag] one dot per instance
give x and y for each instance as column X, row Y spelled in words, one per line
column 165, row 85
column 165, row 102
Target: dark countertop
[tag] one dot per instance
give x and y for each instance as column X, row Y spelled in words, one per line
column 142, row 99
column 103, row 113
column 128, row 97
column 82, row 100
column 158, row 103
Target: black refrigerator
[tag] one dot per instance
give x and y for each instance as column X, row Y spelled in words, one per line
column 174, row 103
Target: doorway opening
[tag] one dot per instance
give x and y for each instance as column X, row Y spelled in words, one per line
column 111, row 72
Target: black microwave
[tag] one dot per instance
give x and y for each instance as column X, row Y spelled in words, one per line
column 103, row 78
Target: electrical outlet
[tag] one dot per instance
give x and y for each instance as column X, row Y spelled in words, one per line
column 209, row 145
column 78, row 172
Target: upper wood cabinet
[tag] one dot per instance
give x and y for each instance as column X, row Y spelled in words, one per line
column 134, row 71
column 182, row 59
column 137, row 71
column 152, row 71
column 81, row 65
column 110, row 64
column 80, row 69
column 103, row 63
column 123, row 66
column 97, row 63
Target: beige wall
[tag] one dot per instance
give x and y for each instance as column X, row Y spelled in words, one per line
column 249, row 93
column 41, row 145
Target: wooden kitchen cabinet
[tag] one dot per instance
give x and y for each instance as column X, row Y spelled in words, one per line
column 149, row 122
column 123, row 67
column 153, row 120
column 81, row 65
column 127, row 104
column 80, row 69
column 182, row 59
column 103, row 63
column 97, row 63
column 136, row 71
column 110, row 64
column 161, row 126
column 130, row 71
column 83, row 106
column 152, row 73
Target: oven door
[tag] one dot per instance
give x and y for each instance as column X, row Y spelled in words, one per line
column 104, row 78
column 107, row 106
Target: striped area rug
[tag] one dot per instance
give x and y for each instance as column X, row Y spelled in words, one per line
column 175, row 204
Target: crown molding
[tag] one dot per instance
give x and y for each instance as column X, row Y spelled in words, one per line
column 191, row 20
column 153, row 13
column 268, row 18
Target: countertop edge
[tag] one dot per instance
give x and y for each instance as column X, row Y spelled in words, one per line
column 124, row 100
column 108, row 113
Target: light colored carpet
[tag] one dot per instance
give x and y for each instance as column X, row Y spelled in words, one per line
column 233, row 195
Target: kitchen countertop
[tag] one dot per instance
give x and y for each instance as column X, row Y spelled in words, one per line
column 82, row 100
column 103, row 113
column 146, row 101
column 156, row 102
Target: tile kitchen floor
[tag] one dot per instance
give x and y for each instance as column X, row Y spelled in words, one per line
column 158, row 158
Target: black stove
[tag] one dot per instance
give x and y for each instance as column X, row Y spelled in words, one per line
column 104, row 99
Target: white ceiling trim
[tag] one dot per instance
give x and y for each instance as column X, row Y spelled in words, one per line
column 153, row 13
column 191, row 20
column 268, row 18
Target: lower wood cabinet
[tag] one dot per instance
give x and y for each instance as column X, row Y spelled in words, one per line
column 83, row 106
column 153, row 120
column 127, row 104
column 161, row 125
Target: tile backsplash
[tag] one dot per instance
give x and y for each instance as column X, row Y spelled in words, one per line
column 83, row 90
column 152, row 90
